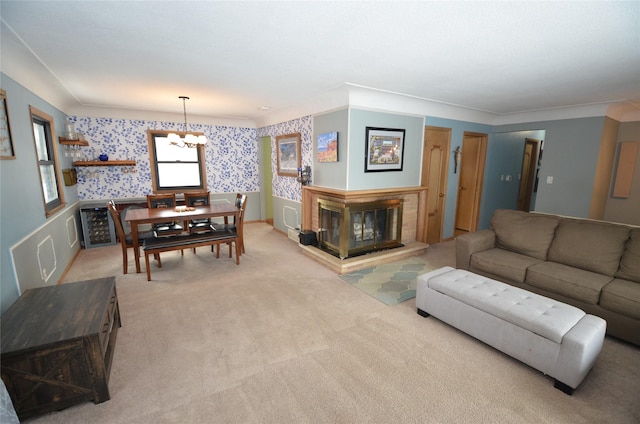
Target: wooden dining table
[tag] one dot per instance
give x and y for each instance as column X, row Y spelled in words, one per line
column 136, row 217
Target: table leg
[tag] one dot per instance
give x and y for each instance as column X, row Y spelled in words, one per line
column 241, row 235
column 136, row 246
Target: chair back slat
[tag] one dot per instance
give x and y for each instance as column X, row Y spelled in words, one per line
column 196, row 199
column 164, row 200
column 241, row 203
column 117, row 220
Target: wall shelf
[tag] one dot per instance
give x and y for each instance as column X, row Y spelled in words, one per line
column 105, row 163
column 73, row 142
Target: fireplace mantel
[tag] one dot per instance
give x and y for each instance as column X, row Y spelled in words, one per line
column 414, row 221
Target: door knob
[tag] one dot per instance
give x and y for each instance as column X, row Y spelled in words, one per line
column 441, row 195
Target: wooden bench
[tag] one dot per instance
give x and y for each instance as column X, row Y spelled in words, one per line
column 186, row 241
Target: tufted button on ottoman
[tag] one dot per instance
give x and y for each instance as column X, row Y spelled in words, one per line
column 560, row 340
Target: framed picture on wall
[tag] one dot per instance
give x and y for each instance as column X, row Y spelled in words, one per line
column 288, row 154
column 6, row 143
column 384, row 149
column 327, row 147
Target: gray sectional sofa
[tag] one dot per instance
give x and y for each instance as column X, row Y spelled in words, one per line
column 593, row 265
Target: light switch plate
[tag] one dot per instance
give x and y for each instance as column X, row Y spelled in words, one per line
column 549, row 180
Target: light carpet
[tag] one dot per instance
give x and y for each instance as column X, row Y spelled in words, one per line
column 282, row 339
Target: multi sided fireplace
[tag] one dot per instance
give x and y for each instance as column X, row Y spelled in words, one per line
column 352, row 229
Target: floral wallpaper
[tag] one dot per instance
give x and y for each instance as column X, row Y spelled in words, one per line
column 231, row 155
column 287, row 187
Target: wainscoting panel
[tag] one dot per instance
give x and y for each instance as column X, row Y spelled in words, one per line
column 287, row 215
column 72, row 231
column 46, row 254
column 40, row 258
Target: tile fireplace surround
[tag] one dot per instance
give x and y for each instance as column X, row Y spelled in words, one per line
column 414, row 220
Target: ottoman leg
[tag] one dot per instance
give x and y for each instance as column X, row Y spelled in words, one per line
column 561, row 386
column 423, row 313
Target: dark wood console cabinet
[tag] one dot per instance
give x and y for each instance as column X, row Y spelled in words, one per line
column 57, row 345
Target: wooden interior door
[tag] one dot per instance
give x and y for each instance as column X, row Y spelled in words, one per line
column 474, row 152
column 528, row 174
column 435, row 165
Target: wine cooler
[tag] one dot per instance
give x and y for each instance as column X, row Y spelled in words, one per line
column 97, row 226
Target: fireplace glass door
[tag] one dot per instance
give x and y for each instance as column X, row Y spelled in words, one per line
column 348, row 230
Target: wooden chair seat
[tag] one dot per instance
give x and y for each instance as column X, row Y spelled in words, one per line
column 168, row 228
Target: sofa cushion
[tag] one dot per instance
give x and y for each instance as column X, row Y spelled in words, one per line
column 591, row 245
column 623, row 297
column 522, row 232
column 502, row 263
column 571, row 282
column 630, row 262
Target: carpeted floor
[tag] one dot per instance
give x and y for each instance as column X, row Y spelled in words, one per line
column 390, row 283
column 282, row 339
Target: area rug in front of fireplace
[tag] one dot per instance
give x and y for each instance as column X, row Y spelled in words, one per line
column 390, row 283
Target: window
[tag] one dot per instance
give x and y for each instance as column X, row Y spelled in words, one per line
column 173, row 168
column 43, row 135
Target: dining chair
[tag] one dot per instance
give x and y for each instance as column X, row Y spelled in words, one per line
column 197, row 199
column 164, row 200
column 125, row 237
column 201, row 225
column 238, row 223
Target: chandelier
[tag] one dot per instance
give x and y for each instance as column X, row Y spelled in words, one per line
column 191, row 140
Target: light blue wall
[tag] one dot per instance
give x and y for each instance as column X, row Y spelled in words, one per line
column 22, row 214
column 458, row 129
column 410, row 175
column 333, row 174
column 504, row 157
column 571, row 151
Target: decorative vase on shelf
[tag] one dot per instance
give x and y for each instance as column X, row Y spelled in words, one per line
column 103, row 157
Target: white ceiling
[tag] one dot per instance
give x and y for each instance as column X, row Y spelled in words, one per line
column 231, row 58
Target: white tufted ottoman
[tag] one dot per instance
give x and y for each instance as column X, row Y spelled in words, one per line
column 558, row 339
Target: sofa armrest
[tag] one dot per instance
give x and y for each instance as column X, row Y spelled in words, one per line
column 470, row 243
